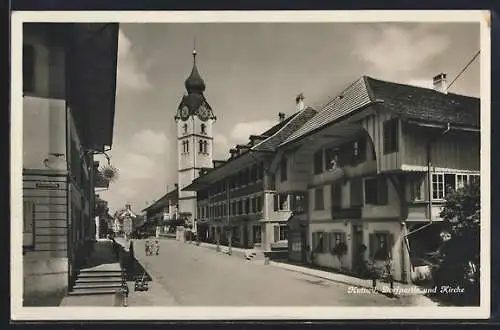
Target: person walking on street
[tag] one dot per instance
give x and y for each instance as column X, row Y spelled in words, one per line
column 157, row 247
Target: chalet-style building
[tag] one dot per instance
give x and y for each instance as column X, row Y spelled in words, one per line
column 69, row 80
column 235, row 198
column 366, row 162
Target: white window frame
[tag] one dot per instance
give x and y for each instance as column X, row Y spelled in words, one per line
column 458, row 185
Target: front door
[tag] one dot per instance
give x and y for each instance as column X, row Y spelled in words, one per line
column 358, row 249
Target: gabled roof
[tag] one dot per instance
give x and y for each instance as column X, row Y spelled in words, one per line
column 410, row 102
column 163, row 201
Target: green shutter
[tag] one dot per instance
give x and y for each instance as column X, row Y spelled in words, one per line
column 371, row 240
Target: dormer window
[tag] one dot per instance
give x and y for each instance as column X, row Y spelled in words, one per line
column 203, row 129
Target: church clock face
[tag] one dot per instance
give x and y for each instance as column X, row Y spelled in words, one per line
column 203, row 113
column 184, row 113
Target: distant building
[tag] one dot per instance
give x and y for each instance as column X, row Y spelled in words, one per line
column 163, row 212
column 237, row 198
column 124, row 221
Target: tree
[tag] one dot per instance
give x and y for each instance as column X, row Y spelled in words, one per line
column 458, row 254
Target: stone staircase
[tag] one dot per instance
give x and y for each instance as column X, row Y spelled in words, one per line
column 101, row 274
column 91, row 282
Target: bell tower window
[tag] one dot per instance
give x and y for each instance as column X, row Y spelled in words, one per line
column 185, row 126
column 201, row 147
column 203, row 129
column 205, row 147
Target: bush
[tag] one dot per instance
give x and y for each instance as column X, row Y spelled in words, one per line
column 458, row 255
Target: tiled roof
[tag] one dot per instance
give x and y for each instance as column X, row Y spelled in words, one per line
column 426, row 104
column 408, row 101
column 293, row 124
column 354, row 97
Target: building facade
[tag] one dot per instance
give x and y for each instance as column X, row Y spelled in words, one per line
column 194, row 119
column 376, row 164
column 69, row 79
column 163, row 213
column 237, row 198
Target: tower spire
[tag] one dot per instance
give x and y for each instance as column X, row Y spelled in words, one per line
column 194, row 50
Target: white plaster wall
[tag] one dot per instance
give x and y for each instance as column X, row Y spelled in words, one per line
column 328, row 259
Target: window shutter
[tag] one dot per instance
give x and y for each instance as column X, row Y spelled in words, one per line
column 371, row 243
column 343, row 238
column 382, row 191
column 326, row 242
column 276, row 233
column 356, row 191
column 336, row 195
column 276, row 202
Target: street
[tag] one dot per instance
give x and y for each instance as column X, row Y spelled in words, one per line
column 198, row 276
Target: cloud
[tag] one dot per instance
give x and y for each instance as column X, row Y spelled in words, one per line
column 394, row 50
column 148, row 142
column 129, row 75
column 137, row 166
column 242, row 131
column 221, row 147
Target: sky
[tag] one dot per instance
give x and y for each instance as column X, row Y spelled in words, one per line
column 253, row 71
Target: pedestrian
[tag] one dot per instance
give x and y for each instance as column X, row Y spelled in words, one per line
column 157, row 247
column 147, row 248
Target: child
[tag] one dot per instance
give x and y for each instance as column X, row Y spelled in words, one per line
column 157, row 247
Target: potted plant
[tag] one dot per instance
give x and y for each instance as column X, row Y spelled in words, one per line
column 340, row 250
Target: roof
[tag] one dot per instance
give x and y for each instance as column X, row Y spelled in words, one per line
column 275, row 136
column 408, row 101
column 163, row 201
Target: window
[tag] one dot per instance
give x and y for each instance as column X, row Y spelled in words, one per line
column 376, row 191
column 283, row 170
column 203, row 129
column 332, row 157
column 28, row 68
column 415, row 189
column 185, row 126
column 283, row 202
column 200, row 150
column 186, row 146
column 319, row 242
column 298, row 203
column 391, row 136
column 356, row 187
column 381, row 245
column 257, row 236
column 318, row 162
column 280, row 233
column 28, row 221
column 462, row 180
column 335, row 239
column 437, row 186
column 252, row 204
column 259, row 203
column 319, row 203
column 240, row 207
column 359, row 150
column 247, row 206
column 336, row 195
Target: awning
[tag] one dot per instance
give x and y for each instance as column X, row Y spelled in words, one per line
column 91, row 69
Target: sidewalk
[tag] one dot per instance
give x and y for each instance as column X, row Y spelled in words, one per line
column 102, row 259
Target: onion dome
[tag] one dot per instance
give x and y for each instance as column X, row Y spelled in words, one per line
column 194, row 83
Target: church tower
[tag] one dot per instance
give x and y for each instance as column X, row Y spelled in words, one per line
column 194, row 120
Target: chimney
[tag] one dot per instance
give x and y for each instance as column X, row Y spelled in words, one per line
column 281, row 116
column 440, row 83
column 299, row 101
